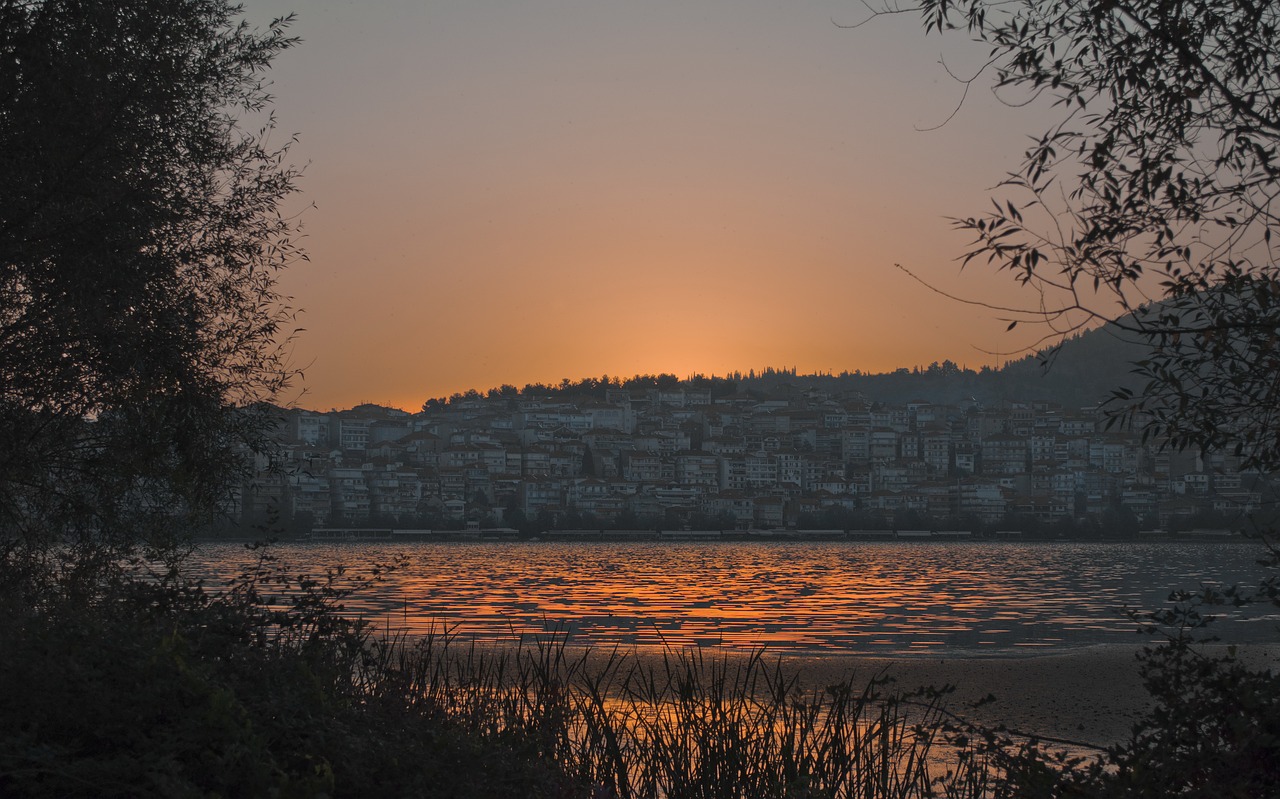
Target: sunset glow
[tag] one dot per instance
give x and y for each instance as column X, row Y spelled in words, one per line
column 509, row 193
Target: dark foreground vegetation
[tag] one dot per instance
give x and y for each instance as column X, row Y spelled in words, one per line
column 140, row 323
column 152, row 686
column 148, row 684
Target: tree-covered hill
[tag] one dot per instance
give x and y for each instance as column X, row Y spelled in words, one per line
column 1081, row 372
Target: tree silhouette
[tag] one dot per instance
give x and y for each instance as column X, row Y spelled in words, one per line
column 1150, row 204
column 140, row 237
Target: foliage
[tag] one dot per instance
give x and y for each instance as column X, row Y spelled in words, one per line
column 160, row 688
column 1148, row 204
column 1215, row 729
column 684, row 723
column 1149, row 201
column 1214, row 726
column 140, row 237
column 268, row 687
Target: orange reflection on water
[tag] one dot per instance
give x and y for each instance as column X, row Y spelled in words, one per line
column 873, row 598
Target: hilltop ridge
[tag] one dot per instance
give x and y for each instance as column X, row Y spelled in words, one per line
column 1082, row 372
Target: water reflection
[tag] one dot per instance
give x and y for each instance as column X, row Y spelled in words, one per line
column 869, row 598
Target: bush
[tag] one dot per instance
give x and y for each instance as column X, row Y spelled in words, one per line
column 157, row 687
column 1213, row 730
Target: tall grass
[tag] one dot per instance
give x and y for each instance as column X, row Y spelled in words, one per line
column 685, row 723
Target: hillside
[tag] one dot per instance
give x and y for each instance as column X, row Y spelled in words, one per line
column 1082, row 372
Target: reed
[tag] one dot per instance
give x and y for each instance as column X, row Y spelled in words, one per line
column 685, row 722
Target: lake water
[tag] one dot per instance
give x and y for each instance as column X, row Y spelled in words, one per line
column 890, row 599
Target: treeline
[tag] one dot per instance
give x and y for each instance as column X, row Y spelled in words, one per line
column 1081, row 371
column 592, row 388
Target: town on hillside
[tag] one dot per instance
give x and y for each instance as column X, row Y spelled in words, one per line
column 679, row 458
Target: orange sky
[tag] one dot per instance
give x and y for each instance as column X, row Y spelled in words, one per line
column 512, row 192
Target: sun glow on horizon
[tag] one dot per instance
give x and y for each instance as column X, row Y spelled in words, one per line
column 575, row 190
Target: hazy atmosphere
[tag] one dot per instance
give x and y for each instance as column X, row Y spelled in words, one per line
column 516, row 192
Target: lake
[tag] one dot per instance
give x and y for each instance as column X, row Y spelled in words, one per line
column 881, row 598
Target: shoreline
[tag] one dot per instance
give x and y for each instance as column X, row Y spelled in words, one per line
column 1092, row 695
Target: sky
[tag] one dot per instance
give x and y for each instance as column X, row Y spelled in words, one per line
column 513, row 192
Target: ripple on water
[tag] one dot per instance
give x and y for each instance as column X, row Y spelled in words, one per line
column 878, row 598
